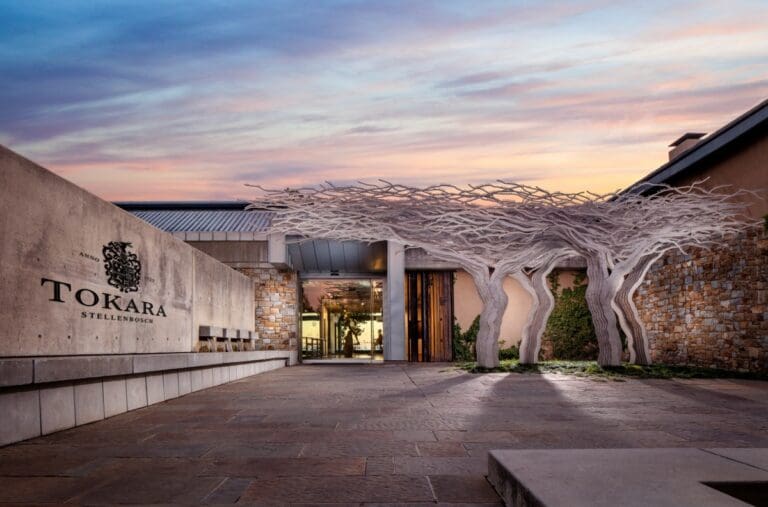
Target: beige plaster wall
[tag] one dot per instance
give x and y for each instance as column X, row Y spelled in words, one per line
column 745, row 168
column 467, row 306
column 52, row 229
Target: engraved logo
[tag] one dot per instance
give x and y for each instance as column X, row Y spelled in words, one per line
column 122, row 267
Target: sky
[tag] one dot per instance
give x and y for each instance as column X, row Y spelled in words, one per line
column 191, row 100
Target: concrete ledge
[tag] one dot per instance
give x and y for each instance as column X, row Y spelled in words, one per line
column 205, row 359
column 42, row 370
column 58, row 369
column 29, row 412
column 16, row 372
column 159, row 362
column 626, row 477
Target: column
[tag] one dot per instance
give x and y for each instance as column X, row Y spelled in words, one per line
column 394, row 303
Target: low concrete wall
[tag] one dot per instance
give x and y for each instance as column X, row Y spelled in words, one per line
column 80, row 276
column 48, row 394
column 101, row 311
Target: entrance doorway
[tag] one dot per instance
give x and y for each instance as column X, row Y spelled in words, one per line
column 429, row 315
column 341, row 319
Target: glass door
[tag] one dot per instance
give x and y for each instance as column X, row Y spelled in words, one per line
column 341, row 319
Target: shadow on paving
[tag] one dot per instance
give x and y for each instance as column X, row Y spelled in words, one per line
column 352, row 435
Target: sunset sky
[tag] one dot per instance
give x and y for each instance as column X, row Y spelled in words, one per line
column 191, row 100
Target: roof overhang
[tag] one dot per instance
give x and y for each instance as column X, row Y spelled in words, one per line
column 727, row 136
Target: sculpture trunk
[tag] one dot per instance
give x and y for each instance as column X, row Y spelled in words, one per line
column 543, row 303
column 600, row 301
column 494, row 298
column 629, row 317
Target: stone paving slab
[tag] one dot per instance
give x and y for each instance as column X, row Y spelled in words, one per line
column 374, row 435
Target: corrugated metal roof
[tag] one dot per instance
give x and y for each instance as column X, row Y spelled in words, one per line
column 180, row 205
column 207, row 220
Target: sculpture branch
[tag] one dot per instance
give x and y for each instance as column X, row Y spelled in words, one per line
column 505, row 229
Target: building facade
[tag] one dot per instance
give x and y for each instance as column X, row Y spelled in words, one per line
column 710, row 307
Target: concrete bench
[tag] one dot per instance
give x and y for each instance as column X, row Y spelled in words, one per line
column 628, row 477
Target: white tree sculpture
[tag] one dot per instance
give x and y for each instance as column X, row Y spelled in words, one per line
column 535, row 281
column 453, row 224
column 505, row 229
column 645, row 227
column 621, row 235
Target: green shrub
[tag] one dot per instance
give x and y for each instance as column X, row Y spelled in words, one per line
column 464, row 342
column 509, row 353
column 570, row 328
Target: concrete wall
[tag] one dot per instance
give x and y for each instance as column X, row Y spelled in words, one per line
column 53, row 230
column 234, row 253
column 223, row 297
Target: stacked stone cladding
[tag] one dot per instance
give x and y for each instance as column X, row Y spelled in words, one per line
column 276, row 307
column 710, row 307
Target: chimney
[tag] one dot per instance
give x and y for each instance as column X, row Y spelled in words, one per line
column 684, row 143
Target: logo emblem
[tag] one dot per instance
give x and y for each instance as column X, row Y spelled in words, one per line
column 122, row 267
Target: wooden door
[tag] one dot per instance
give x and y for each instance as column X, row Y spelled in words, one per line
column 429, row 315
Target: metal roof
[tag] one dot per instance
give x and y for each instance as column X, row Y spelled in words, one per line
column 207, row 220
column 180, row 205
column 327, row 256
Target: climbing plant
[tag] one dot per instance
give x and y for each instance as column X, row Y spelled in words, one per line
column 464, row 341
column 569, row 327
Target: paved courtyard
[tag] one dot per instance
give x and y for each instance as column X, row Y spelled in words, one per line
column 367, row 434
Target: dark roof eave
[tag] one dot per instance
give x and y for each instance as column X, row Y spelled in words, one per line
column 180, row 205
column 715, row 142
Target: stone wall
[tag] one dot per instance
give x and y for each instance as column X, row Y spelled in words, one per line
column 276, row 307
column 710, row 308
